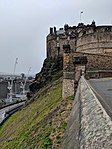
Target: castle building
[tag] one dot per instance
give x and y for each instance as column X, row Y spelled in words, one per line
column 85, row 49
column 81, row 38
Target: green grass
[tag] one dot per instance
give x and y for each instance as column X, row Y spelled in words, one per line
column 39, row 123
column 71, row 97
column 63, row 125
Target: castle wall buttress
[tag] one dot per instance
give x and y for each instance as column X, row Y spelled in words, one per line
column 68, row 73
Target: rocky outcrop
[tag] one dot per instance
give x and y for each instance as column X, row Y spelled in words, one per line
column 52, row 68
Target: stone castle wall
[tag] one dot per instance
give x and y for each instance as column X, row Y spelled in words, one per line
column 96, row 61
column 98, row 66
column 52, row 45
column 91, row 41
column 89, row 126
column 81, row 38
column 86, row 51
column 68, row 73
column 95, row 40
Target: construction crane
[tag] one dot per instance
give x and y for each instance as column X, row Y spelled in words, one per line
column 10, row 84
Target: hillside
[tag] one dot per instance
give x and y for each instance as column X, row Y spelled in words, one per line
column 41, row 124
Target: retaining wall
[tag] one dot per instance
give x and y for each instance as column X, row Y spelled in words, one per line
column 89, row 126
column 97, row 61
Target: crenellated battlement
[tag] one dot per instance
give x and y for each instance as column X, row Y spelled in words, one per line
column 82, row 38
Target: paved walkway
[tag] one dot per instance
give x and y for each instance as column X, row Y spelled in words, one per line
column 103, row 90
column 2, row 111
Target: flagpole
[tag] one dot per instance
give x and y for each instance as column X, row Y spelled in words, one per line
column 81, row 16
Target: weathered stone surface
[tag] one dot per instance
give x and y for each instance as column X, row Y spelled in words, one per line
column 68, row 88
column 89, row 126
column 98, row 65
column 82, row 38
column 92, row 41
column 97, row 61
column 96, row 125
column 71, row 138
column 68, row 75
column 68, row 72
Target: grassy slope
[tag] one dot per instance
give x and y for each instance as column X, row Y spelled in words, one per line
column 41, row 124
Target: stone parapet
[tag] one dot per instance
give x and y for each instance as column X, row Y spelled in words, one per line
column 98, row 74
column 68, row 75
column 71, row 137
column 68, row 88
column 97, row 61
column 89, row 126
column 96, row 125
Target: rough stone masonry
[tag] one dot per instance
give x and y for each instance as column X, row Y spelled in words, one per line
column 96, row 125
column 89, row 126
column 92, row 41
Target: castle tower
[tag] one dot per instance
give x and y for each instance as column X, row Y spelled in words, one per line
column 68, row 72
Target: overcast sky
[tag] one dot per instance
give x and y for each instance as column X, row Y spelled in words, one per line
column 24, row 25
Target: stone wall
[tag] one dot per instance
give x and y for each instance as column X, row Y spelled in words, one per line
column 89, row 126
column 68, row 88
column 95, row 40
column 96, row 125
column 51, row 46
column 82, row 38
column 68, row 73
column 98, row 74
column 71, row 137
column 97, row 61
column 98, row 66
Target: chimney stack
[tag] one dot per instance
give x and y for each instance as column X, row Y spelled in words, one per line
column 51, row 30
column 55, row 30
